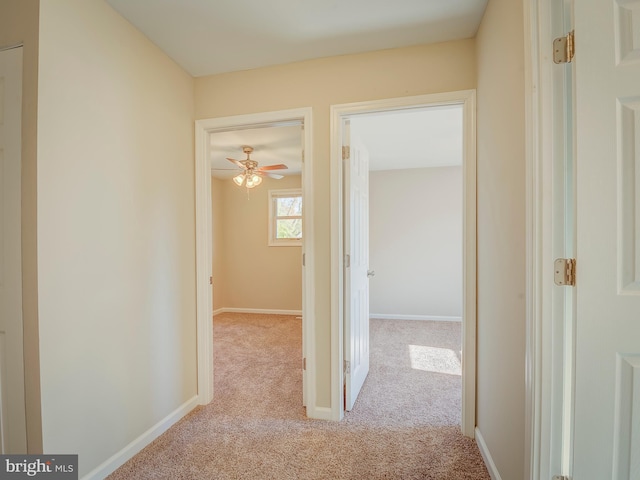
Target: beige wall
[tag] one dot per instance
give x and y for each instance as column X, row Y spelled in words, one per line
column 116, row 249
column 19, row 25
column 415, row 241
column 217, row 227
column 501, row 236
column 318, row 84
column 255, row 275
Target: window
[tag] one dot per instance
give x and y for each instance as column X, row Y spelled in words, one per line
column 285, row 217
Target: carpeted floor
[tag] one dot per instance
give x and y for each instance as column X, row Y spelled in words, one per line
column 405, row 424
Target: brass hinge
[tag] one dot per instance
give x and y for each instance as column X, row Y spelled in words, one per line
column 347, row 367
column 304, row 364
column 303, row 260
column 564, row 48
column 302, row 156
column 347, row 261
column 345, row 152
column 564, row 271
column 210, row 280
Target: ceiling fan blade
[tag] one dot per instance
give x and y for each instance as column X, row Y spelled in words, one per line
column 280, row 166
column 240, row 164
column 226, row 169
column 271, row 175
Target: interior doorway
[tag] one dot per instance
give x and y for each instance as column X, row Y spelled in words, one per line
column 352, row 323
column 256, row 124
column 256, row 190
column 412, row 258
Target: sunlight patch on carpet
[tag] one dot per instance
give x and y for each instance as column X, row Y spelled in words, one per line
column 434, row 359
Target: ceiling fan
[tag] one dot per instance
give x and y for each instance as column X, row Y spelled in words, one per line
column 251, row 175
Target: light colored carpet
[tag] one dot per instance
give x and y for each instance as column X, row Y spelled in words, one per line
column 405, row 424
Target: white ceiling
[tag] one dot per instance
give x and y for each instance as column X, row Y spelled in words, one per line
column 416, row 138
column 214, row 36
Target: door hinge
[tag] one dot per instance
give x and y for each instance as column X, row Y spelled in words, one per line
column 210, row 280
column 564, row 48
column 347, row 261
column 564, row 271
column 302, row 156
column 303, row 260
column 347, row 367
column 304, row 364
column 560, row 477
column 345, row 152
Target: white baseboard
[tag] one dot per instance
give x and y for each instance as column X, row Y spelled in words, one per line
column 257, row 310
column 320, row 413
column 488, row 461
column 437, row 318
column 111, row 464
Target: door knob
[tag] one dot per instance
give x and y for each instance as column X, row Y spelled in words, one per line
column 371, row 273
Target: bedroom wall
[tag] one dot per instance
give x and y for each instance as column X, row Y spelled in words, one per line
column 415, row 242
column 217, row 227
column 319, row 84
column 501, row 236
column 19, row 25
column 255, row 275
column 116, row 248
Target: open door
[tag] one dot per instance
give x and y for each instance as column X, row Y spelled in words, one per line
column 13, row 432
column 607, row 356
column 356, row 272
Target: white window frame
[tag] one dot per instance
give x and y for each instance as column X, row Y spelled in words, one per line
column 273, row 196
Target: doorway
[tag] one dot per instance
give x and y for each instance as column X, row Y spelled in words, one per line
column 205, row 130
column 342, row 229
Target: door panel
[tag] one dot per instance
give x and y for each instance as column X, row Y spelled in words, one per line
column 607, row 373
column 356, row 181
column 12, row 407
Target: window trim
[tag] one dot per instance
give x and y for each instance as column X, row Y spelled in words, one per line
column 273, row 196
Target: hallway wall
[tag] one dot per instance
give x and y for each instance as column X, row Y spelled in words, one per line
column 501, row 236
column 116, row 233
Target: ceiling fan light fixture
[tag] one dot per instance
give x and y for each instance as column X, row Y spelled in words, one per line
column 251, row 175
column 239, row 179
column 253, row 180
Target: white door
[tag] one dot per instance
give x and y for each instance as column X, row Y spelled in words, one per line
column 12, row 407
column 607, row 356
column 356, row 315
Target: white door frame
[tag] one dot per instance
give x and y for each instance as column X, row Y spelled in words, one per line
column 204, row 245
column 543, row 405
column 466, row 98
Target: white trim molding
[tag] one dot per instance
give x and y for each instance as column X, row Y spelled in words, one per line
column 486, row 456
column 120, row 458
column 204, row 252
column 466, row 98
column 204, row 128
